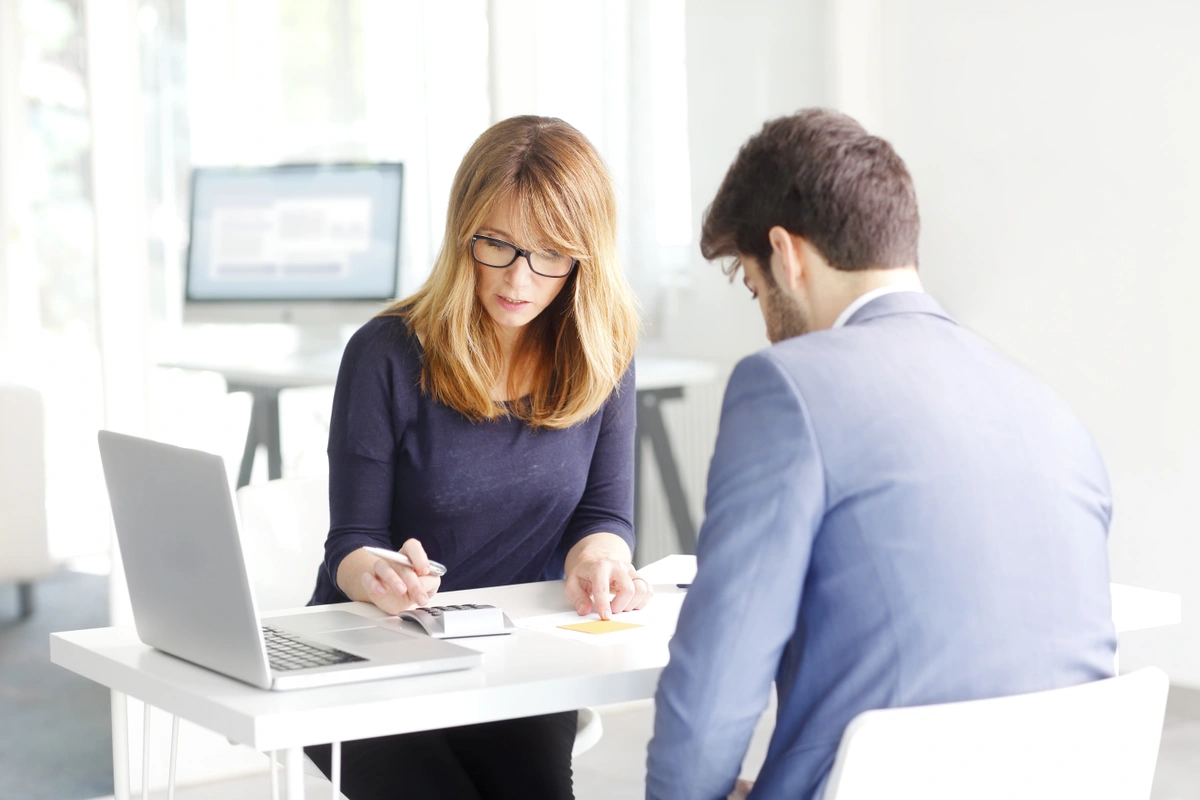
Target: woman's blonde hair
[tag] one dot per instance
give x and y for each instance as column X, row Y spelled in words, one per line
column 575, row 352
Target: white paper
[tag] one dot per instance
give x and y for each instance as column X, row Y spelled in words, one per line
column 670, row 570
column 657, row 621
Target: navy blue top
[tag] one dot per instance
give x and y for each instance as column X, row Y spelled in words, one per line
column 496, row 502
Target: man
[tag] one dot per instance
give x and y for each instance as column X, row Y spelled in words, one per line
column 897, row 514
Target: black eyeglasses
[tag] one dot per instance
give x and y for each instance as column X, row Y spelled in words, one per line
column 499, row 254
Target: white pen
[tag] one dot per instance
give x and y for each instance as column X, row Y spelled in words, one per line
column 391, row 555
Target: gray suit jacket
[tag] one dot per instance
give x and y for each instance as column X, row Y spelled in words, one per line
column 897, row 515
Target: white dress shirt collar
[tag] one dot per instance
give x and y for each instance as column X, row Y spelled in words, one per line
column 863, row 299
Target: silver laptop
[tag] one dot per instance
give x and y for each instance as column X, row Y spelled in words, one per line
column 191, row 594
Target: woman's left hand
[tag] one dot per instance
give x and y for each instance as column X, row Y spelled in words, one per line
column 595, row 574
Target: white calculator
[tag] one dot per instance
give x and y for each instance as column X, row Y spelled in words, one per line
column 452, row 622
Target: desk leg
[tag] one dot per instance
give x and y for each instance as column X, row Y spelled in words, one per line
column 145, row 750
column 247, row 466
column 269, row 400
column 120, row 739
column 174, row 756
column 264, row 429
column 295, row 773
column 24, row 600
column 651, row 425
column 335, row 769
column 273, row 757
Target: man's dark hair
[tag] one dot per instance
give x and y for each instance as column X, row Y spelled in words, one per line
column 820, row 175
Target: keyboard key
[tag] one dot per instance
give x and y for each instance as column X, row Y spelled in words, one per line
column 287, row 651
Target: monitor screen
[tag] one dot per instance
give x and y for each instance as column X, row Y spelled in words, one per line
column 294, row 233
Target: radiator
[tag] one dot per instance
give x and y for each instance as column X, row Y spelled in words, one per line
column 692, row 427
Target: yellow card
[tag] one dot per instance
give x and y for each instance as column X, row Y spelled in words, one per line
column 600, row 626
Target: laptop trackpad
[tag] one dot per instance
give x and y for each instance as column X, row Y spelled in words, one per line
column 363, row 637
column 320, row 622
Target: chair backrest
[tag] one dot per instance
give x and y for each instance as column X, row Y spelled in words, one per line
column 1097, row 741
column 24, row 547
column 284, row 523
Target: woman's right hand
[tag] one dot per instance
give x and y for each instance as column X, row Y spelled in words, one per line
column 391, row 587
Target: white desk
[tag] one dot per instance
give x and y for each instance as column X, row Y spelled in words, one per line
column 522, row 674
column 264, row 377
column 1135, row 609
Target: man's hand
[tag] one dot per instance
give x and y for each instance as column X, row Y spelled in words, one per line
column 598, row 566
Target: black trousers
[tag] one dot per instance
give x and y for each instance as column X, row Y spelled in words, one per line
column 513, row 758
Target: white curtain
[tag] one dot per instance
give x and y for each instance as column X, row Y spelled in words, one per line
column 614, row 69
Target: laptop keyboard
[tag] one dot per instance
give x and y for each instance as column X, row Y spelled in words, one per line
column 287, row 651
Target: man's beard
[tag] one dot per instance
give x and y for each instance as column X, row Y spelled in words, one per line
column 784, row 316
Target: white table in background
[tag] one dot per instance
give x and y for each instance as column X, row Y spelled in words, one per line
column 658, row 380
column 523, row 674
column 1133, row 608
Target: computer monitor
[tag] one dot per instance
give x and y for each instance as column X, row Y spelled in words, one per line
column 315, row 245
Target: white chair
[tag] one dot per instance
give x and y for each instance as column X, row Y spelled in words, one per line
column 284, row 523
column 1097, row 741
column 24, row 547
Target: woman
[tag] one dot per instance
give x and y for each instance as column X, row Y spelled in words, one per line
column 487, row 422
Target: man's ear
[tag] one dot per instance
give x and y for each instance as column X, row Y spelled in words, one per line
column 787, row 258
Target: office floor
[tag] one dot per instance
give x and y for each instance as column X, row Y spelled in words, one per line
column 55, row 736
column 1178, row 773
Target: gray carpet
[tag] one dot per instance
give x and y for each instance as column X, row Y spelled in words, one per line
column 55, row 736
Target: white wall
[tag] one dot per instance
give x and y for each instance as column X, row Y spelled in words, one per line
column 1054, row 148
column 746, row 62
